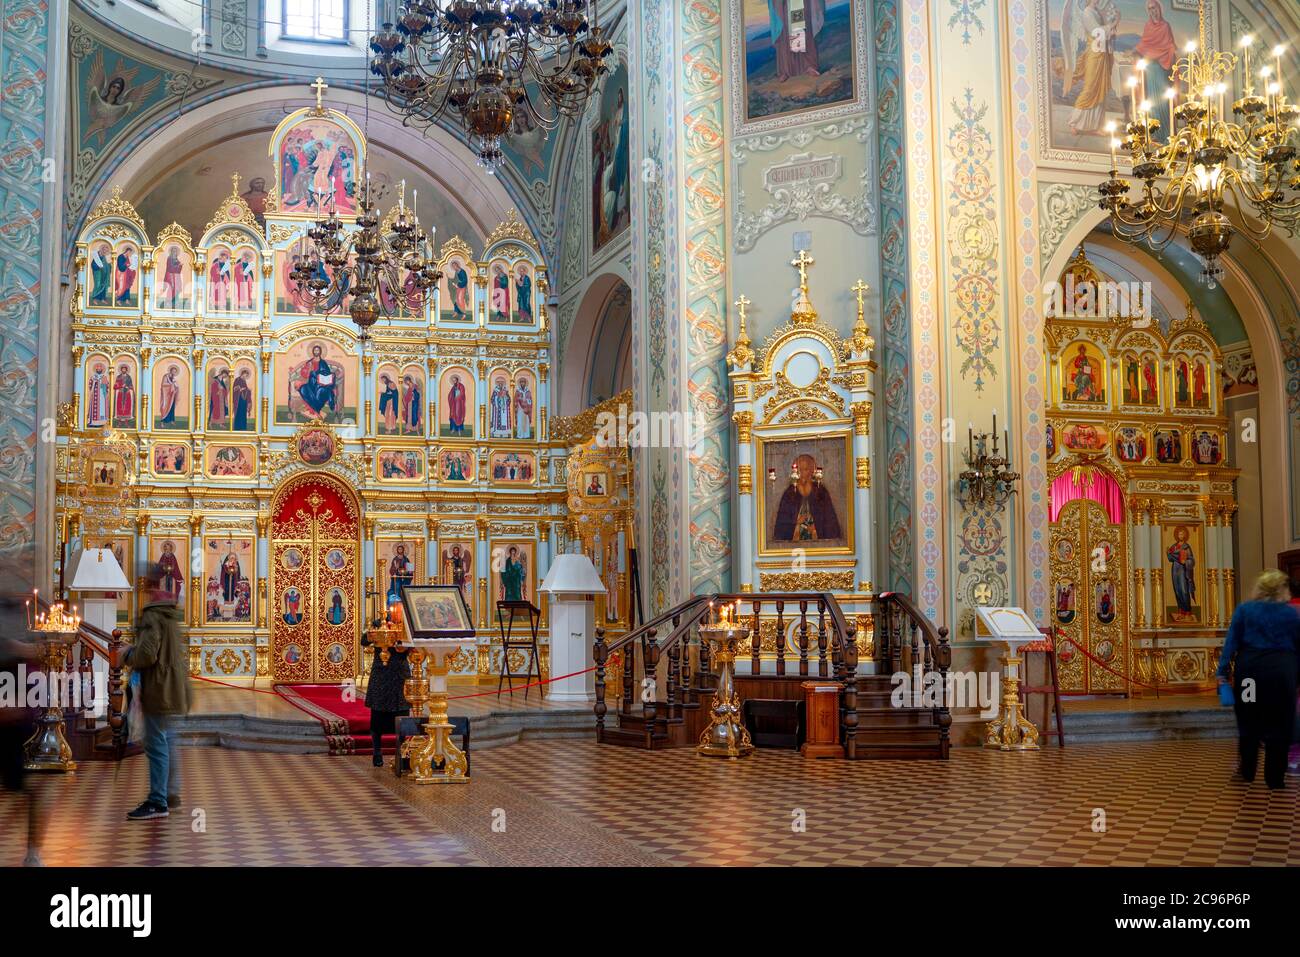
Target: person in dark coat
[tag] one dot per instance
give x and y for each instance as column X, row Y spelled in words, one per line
column 159, row 655
column 1261, row 651
column 385, row 697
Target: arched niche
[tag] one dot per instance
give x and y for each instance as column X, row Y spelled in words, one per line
column 597, row 356
column 1260, row 282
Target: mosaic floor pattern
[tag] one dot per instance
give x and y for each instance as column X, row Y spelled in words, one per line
column 568, row 802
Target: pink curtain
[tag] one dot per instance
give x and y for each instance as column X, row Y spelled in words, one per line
column 1098, row 486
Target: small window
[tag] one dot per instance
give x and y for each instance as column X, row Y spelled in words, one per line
column 321, row 21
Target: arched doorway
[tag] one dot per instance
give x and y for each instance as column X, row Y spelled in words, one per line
column 1089, row 562
column 315, row 562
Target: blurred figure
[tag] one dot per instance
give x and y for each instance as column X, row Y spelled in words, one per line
column 17, row 724
column 1293, row 758
column 158, row 655
column 1262, row 650
column 385, row 697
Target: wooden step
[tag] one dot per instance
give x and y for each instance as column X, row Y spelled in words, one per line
column 633, row 739
column 895, row 717
column 900, row 735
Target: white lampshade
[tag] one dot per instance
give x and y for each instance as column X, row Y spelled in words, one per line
column 572, row 575
column 97, row 570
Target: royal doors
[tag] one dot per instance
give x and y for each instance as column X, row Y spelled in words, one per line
column 314, row 558
column 1090, row 599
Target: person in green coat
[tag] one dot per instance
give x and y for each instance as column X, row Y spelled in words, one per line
column 159, row 656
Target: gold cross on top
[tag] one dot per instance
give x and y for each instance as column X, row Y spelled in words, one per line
column 234, row 182
column 740, row 304
column 860, row 288
column 320, row 86
column 802, row 263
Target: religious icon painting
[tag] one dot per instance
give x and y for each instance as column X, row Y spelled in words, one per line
column 610, row 179
column 292, row 653
column 231, row 396
column 170, row 554
column 317, row 167
column 523, row 279
column 512, row 468
column 456, row 404
column 400, row 562
column 456, row 465
column 401, row 400
column 336, row 609
column 805, row 500
column 125, row 393
column 335, row 559
column 291, row 560
column 316, row 446
column 171, row 391
column 1083, row 374
column 399, row 465
column 1191, row 382
column 513, row 567
column 796, row 58
column 126, row 275
column 1065, row 609
column 434, row 610
column 173, row 277
column 1207, row 448
column 525, row 405
column 456, row 567
column 99, row 274
column 170, row 459
column 98, row 391
column 1184, row 559
column 316, row 381
column 1084, row 437
column 1140, row 379
column 291, row 611
column 1168, row 446
column 1104, row 593
column 501, row 405
column 335, row 653
column 455, row 290
column 232, row 276
column 105, row 473
column 1051, row 440
column 229, row 461
column 1130, row 444
column 229, row 570
column 1064, row 550
column 595, row 483
column 500, row 291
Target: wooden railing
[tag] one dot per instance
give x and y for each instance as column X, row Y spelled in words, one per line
column 824, row 646
column 906, row 638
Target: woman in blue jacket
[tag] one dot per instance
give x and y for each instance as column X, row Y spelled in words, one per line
column 1261, row 651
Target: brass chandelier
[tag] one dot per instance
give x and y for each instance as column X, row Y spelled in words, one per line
column 497, row 65
column 1186, row 175
column 340, row 263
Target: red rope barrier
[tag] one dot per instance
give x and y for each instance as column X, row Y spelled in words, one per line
column 480, row 694
column 1097, row 661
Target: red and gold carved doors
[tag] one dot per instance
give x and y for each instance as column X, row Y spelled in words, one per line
column 1090, row 599
column 314, row 557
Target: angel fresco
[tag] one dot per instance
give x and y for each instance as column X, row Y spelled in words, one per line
column 1088, row 48
column 111, row 99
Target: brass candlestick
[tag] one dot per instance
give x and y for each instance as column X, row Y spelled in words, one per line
column 48, row 749
column 726, row 736
column 434, row 757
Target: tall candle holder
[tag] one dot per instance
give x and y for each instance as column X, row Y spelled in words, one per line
column 434, row 756
column 726, row 736
column 56, row 630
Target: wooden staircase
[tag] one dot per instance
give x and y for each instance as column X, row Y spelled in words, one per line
column 822, row 645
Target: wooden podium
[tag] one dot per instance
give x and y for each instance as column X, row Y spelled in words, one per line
column 822, row 714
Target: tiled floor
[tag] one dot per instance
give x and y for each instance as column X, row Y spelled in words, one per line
column 573, row 802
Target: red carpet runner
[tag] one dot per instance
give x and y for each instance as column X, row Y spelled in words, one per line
column 346, row 723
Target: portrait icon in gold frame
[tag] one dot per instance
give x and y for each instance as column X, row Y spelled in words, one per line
column 436, row 611
column 805, row 495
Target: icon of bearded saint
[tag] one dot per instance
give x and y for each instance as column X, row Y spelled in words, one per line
column 111, row 99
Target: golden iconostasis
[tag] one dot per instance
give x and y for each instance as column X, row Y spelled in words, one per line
column 1142, row 494
column 289, row 477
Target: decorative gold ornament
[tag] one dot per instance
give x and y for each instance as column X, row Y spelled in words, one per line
column 861, row 417
column 862, row 472
column 742, row 353
column 744, row 426
column 745, row 479
column 117, row 207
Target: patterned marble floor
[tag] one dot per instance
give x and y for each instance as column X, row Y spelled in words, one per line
column 569, row 802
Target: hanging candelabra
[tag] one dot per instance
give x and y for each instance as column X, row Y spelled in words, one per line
column 1186, row 175
column 499, row 66
column 987, row 481
column 340, row 263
